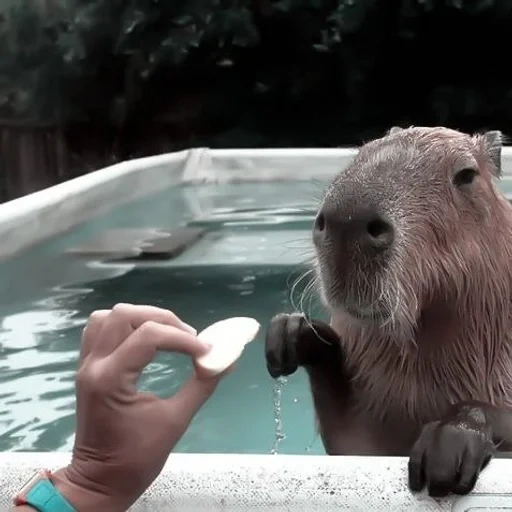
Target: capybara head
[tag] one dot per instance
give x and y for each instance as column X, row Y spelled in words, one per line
column 414, row 222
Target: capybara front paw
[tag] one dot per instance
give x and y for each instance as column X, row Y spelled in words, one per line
column 448, row 457
column 293, row 341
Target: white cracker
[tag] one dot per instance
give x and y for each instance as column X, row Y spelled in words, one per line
column 228, row 338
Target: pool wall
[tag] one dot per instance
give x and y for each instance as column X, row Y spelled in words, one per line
column 228, row 482
column 280, row 483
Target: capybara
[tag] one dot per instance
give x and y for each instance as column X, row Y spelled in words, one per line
column 413, row 245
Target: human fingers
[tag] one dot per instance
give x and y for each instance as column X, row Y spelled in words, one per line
column 126, row 318
column 181, row 408
column 140, row 313
column 91, row 331
column 141, row 346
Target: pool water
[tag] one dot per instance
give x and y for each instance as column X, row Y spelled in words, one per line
column 261, row 248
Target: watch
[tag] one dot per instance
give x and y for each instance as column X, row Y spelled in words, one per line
column 40, row 493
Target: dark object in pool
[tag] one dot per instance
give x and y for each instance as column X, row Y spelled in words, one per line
column 132, row 245
column 414, row 258
column 171, row 246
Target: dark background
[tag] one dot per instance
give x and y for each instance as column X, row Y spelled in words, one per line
column 87, row 83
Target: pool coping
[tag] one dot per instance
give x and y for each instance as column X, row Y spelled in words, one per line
column 194, row 482
column 30, row 219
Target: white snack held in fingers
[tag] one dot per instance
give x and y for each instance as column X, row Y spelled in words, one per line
column 228, row 338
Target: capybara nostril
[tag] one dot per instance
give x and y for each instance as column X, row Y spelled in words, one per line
column 349, row 226
column 319, row 228
column 381, row 233
column 320, row 223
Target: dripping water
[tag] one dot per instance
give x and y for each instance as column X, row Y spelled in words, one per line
column 279, row 435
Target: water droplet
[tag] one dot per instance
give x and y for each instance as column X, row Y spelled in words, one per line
column 279, row 435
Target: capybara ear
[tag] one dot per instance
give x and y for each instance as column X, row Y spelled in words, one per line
column 394, row 129
column 493, row 141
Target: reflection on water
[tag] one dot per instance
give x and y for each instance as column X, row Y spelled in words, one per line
column 39, row 350
column 36, row 376
column 29, row 324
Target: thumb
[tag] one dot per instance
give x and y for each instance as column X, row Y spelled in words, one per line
column 185, row 404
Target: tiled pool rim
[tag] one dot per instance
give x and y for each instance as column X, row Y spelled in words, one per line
column 228, row 482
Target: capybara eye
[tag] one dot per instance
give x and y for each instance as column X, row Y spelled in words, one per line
column 320, row 222
column 465, row 177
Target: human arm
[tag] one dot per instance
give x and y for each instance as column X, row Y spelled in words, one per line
column 123, row 437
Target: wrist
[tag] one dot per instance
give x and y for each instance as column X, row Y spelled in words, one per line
column 82, row 496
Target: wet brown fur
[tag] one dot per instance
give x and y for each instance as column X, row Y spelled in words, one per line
column 448, row 286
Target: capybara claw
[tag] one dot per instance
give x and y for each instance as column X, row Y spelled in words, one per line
column 449, row 456
column 281, row 344
column 293, row 341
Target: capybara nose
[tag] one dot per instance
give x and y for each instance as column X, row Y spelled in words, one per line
column 365, row 227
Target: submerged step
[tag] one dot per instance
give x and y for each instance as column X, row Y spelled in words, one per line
column 131, row 245
column 237, row 248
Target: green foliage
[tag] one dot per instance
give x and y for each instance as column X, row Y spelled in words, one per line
column 69, row 60
column 265, row 72
column 36, row 59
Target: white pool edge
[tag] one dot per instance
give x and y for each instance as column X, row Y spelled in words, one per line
column 194, row 482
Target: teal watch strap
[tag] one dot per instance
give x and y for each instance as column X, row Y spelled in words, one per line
column 44, row 497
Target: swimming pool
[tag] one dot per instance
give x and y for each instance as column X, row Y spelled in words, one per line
column 257, row 246
column 258, row 239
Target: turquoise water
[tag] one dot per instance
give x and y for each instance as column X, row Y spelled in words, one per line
column 259, row 243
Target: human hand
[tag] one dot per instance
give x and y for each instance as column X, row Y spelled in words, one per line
column 124, row 437
column 294, row 341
